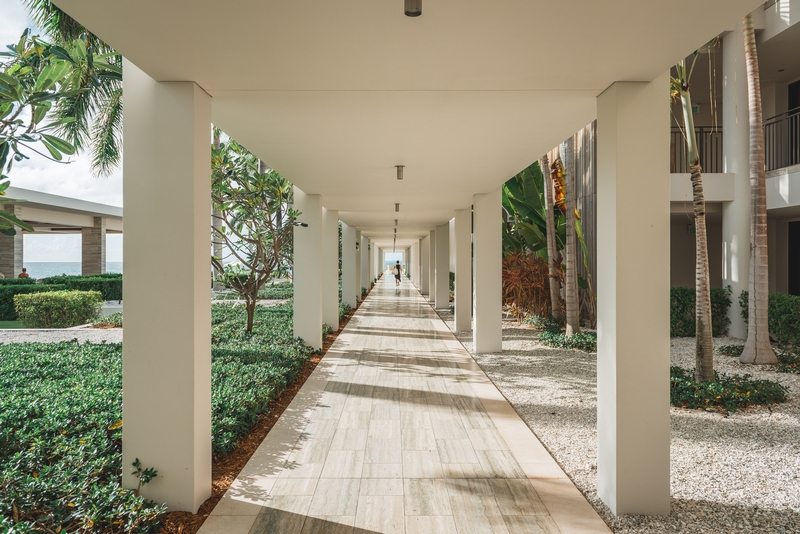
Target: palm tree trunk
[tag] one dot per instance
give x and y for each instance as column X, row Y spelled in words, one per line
column 704, row 340
column 757, row 348
column 573, row 304
column 555, row 290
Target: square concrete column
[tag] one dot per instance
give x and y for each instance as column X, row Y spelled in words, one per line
column 167, row 337
column 425, row 258
column 372, row 255
column 307, row 268
column 364, row 280
column 359, row 256
column 736, row 160
column 330, row 267
column 487, row 270
column 432, row 266
column 420, row 275
column 442, row 299
column 93, row 248
column 462, row 298
column 11, row 247
column 349, row 266
column 633, row 281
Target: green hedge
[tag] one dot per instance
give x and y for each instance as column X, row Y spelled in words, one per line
column 17, row 281
column 58, row 309
column 784, row 316
column 7, row 311
column 108, row 284
column 682, row 313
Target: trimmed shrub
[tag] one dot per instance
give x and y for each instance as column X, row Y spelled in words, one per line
column 784, row 316
column 727, row 393
column 17, row 281
column 344, row 309
column 682, row 313
column 108, row 284
column 58, row 309
column 7, row 293
column 111, row 320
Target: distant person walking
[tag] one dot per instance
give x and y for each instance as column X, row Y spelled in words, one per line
column 398, row 273
column 24, row 273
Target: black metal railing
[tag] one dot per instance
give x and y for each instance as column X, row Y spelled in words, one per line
column 709, row 145
column 782, row 140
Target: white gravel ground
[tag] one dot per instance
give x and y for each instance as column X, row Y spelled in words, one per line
column 93, row 335
column 736, row 474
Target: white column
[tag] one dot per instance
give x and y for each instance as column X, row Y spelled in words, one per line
column 359, row 255
column 736, row 160
column 349, row 265
column 373, row 254
column 633, row 297
column 308, row 261
column 420, row 272
column 167, row 337
column 487, row 330
column 330, row 267
column 364, row 262
column 432, row 266
column 462, row 298
column 425, row 258
column 442, row 297
column 412, row 263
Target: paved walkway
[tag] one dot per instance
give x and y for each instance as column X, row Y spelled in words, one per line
column 398, row 430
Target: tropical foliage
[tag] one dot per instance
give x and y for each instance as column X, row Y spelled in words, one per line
column 252, row 204
column 97, row 109
column 525, row 285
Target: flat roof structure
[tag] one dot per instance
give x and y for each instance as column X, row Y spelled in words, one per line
column 55, row 214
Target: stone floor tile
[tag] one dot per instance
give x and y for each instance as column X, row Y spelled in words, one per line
column 430, row 524
column 516, row 496
column 380, row 513
column 477, row 514
column 335, row 496
column 426, row 496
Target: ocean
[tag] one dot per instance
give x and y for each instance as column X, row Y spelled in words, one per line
column 42, row 269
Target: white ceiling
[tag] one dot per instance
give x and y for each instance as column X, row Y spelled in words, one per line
column 335, row 94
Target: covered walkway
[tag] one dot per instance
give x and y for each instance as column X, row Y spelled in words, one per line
column 399, row 430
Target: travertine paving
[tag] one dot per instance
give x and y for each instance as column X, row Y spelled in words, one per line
column 398, row 430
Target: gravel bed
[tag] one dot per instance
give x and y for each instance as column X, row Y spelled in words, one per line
column 735, row 474
column 83, row 335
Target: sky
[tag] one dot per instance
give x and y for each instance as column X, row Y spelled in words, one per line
column 74, row 179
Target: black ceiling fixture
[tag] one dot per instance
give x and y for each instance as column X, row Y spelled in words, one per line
column 413, row 8
column 399, row 171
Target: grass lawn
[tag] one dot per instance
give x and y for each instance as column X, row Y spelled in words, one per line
column 11, row 324
column 61, row 421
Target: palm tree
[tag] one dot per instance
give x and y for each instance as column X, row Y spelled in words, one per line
column 757, row 348
column 571, row 294
column 704, row 341
column 98, row 109
column 555, row 290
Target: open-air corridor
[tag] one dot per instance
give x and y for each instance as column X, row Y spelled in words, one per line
column 398, row 430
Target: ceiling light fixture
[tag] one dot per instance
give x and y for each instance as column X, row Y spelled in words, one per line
column 413, row 8
column 395, row 222
column 399, row 171
column 397, row 206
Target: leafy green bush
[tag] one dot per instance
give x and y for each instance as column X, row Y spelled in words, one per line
column 60, row 441
column 58, row 309
column 280, row 291
column 112, row 319
column 784, row 316
column 60, row 423
column 344, row 309
column 585, row 341
column 731, row 393
column 17, row 281
column 108, row 284
column 544, row 323
column 682, row 313
column 731, row 350
column 7, row 310
column 363, row 292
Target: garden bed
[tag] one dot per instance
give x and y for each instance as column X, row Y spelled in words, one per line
column 59, row 467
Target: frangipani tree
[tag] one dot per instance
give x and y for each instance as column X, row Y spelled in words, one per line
column 256, row 222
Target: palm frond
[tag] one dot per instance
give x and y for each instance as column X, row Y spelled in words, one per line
column 107, row 135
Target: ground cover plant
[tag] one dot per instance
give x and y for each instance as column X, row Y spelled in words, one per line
column 585, row 341
column 112, row 320
column 61, row 413
column 727, row 393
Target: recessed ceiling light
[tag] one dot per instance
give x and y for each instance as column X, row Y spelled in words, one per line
column 397, row 206
column 399, row 171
